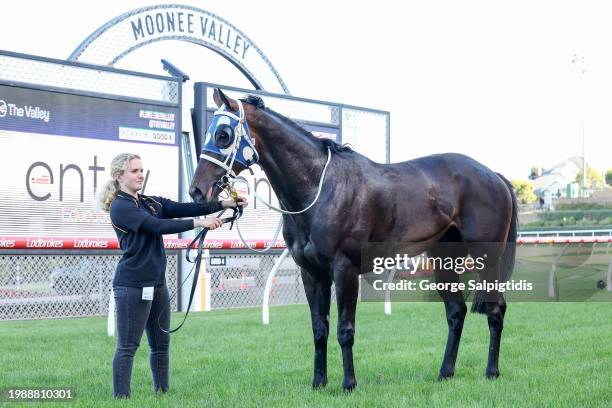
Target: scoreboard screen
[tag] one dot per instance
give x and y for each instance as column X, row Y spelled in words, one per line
column 55, row 152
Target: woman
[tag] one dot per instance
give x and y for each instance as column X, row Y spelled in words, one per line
column 141, row 296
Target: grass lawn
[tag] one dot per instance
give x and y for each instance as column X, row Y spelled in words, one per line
column 553, row 355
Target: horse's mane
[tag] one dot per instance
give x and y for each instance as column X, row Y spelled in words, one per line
column 323, row 143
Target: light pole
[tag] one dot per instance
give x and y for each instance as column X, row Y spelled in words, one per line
column 578, row 60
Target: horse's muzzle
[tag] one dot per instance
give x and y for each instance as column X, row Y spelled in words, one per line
column 196, row 195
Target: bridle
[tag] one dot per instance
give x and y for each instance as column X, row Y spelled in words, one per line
column 240, row 146
column 231, row 140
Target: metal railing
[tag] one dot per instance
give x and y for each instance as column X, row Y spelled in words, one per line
column 567, row 233
column 36, row 285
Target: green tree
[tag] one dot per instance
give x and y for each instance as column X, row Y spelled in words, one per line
column 535, row 172
column 609, row 177
column 593, row 177
column 524, row 191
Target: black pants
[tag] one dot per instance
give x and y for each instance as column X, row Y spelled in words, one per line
column 133, row 316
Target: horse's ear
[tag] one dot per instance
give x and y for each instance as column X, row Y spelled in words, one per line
column 221, row 99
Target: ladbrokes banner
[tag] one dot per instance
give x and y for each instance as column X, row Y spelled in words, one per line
column 55, row 152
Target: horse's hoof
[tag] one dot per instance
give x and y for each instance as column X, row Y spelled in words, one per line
column 492, row 375
column 445, row 376
column 349, row 385
column 319, row 382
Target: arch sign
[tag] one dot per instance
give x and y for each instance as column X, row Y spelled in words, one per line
column 137, row 28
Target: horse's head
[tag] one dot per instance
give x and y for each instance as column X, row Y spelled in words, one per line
column 228, row 149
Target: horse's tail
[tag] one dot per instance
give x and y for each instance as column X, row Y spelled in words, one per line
column 509, row 255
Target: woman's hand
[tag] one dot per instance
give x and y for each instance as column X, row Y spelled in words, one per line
column 211, row 223
column 240, row 202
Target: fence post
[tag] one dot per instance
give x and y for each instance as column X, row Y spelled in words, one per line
column 110, row 322
column 203, row 288
column 609, row 283
column 266, row 299
column 388, row 293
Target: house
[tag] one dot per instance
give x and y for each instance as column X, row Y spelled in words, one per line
column 553, row 182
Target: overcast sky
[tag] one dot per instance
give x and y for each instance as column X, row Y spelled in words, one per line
column 492, row 80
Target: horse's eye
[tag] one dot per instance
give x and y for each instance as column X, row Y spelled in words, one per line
column 224, row 136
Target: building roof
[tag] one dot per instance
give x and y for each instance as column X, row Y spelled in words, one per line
column 562, row 174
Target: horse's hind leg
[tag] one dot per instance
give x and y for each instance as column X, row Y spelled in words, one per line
column 491, row 302
column 485, row 242
column 495, row 317
column 454, row 305
column 318, row 293
column 455, row 316
column 346, row 278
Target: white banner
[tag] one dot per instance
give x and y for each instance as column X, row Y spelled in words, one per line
column 48, row 182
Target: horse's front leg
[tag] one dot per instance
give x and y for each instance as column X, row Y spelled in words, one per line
column 318, row 293
column 346, row 278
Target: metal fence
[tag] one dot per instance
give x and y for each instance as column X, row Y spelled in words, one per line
column 35, row 285
column 48, row 73
column 566, row 233
column 54, row 285
column 241, row 280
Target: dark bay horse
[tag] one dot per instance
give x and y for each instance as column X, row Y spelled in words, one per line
column 439, row 198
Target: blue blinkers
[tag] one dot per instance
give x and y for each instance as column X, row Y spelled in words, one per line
column 228, row 136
